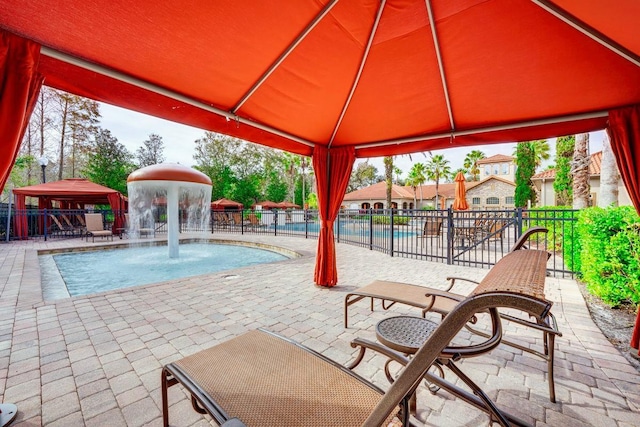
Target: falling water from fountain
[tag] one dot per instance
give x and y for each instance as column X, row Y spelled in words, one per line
column 178, row 186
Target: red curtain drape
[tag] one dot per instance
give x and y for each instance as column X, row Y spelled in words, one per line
column 116, row 201
column 20, row 220
column 20, row 84
column 624, row 133
column 333, row 170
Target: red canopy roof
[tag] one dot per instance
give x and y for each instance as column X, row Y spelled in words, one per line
column 73, row 189
column 226, row 203
column 386, row 77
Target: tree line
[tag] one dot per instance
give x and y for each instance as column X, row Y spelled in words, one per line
column 66, row 134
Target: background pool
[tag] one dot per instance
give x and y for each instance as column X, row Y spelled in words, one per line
column 99, row 271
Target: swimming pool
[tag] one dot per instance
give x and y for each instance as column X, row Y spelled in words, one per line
column 98, row 271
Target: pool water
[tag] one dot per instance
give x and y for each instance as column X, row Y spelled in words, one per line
column 99, row 271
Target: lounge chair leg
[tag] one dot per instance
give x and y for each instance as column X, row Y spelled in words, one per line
column 166, row 383
column 491, row 407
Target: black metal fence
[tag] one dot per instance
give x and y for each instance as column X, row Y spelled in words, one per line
column 470, row 238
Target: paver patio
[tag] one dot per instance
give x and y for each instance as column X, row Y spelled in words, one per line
column 95, row 360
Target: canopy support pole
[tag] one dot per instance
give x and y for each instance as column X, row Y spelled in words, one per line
column 588, row 31
column 436, row 45
column 284, row 55
column 365, row 55
column 166, row 92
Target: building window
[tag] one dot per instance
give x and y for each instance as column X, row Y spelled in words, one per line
column 475, row 201
column 505, row 169
column 496, row 169
column 508, row 200
column 365, row 205
column 378, row 205
column 487, row 170
column 493, row 201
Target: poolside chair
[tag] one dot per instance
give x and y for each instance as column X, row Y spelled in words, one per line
column 141, row 231
column 263, row 379
column 432, row 229
column 95, row 227
column 80, row 229
column 59, row 228
column 443, row 301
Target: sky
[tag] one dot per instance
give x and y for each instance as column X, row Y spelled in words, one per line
column 132, row 129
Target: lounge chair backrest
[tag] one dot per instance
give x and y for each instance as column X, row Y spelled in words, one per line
column 57, row 222
column 494, row 294
column 432, row 227
column 94, row 222
column 521, row 242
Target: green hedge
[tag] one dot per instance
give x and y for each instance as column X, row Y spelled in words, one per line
column 385, row 220
column 609, row 261
column 560, row 221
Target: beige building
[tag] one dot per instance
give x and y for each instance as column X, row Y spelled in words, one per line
column 499, row 165
column 493, row 192
column 546, row 195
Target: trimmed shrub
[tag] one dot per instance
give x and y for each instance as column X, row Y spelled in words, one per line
column 610, row 253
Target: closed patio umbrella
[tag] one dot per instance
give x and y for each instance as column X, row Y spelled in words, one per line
column 460, row 202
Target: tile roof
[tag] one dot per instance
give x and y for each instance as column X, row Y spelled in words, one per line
column 378, row 191
column 497, row 158
column 595, row 166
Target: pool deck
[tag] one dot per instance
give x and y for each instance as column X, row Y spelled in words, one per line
column 95, row 360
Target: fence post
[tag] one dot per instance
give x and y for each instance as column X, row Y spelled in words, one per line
column 449, row 236
column 306, row 224
column 337, row 225
column 370, row 229
column 391, row 232
column 276, row 213
column 518, row 223
column 44, row 223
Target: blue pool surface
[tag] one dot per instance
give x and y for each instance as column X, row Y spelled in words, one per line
column 99, row 271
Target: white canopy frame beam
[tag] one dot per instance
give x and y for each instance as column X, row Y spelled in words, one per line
column 284, row 55
column 510, row 126
column 590, row 32
column 363, row 61
column 166, row 92
column 443, row 77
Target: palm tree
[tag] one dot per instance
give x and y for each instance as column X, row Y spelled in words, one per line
column 541, row 151
column 438, row 167
column 388, row 176
column 580, row 172
column 419, row 173
column 471, row 163
column 608, row 177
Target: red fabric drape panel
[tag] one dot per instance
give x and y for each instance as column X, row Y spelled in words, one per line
column 333, row 170
column 20, row 221
column 117, row 207
column 19, row 87
column 624, row 132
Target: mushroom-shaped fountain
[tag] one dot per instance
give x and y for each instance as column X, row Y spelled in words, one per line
column 179, row 183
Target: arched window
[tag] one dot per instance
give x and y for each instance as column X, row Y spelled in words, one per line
column 378, row 205
column 404, row 205
column 365, row 205
column 493, row 201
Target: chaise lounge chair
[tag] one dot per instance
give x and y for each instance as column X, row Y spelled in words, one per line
column 266, row 380
column 443, row 301
column 95, row 227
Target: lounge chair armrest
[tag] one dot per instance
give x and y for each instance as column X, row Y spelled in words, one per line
column 435, row 293
column 233, row 422
column 453, row 279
